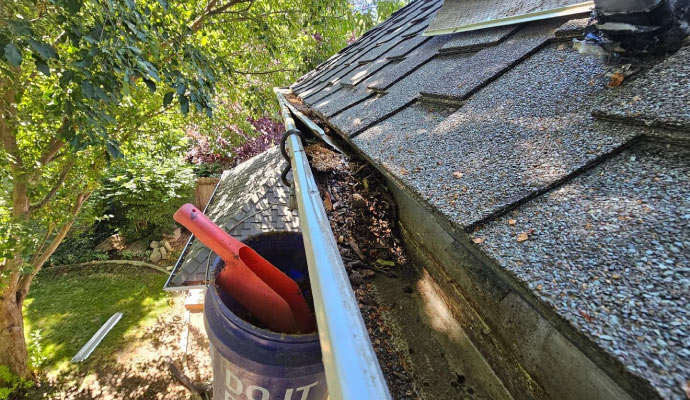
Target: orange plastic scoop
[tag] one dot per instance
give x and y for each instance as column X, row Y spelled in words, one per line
column 258, row 285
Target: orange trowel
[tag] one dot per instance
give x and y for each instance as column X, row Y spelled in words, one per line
column 273, row 297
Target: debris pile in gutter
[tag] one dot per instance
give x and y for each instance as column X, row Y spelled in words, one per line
column 362, row 217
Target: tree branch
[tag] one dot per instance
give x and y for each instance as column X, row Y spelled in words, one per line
column 61, row 179
column 52, row 149
column 8, row 111
column 210, row 10
column 43, row 243
column 224, row 7
column 25, row 281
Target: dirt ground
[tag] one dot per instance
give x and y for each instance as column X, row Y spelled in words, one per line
column 141, row 370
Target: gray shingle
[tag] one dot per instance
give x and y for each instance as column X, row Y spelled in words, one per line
column 491, row 62
column 661, row 97
column 412, row 61
column 454, row 76
column 474, row 40
column 242, row 205
column 574, row 27
column 396, row 42
column 459, row 13
column 524, row 132
column 408, row 89
column 347, row 96
column 372, row 47
column 610, row 252
column 403, row 48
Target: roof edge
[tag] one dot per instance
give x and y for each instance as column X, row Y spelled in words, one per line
column 578, row 8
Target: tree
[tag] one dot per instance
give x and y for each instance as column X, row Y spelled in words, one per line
column 76, row 80
column 82, row 80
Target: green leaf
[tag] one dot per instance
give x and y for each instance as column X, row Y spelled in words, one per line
column 44, row 50
column 150, row 69
column 73, row 6
column 184, row 104
column 20, row 27
column 167, row 99
column 100, row 94
column 85, row 62
column 42, row 67
column 12, row 55
column 151, row 85
column 94, row 35
column 66, row 77
column 87, row 89
column 113, row 149
column 385, row 263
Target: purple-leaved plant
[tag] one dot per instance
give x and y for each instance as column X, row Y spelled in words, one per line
column 224, row 154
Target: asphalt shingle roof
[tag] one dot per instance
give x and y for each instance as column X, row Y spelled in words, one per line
column 659, row 98
column 513, row 123
column 250, row 199
column 621, row 232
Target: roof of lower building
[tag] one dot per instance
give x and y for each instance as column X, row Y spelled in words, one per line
column 250, row 199
column 578, row 187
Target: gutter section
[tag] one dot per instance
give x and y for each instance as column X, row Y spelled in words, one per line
column 352, row 369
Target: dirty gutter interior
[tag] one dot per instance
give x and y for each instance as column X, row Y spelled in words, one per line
column 352, row 369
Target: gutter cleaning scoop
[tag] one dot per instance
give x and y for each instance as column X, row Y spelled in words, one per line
column 258, row 285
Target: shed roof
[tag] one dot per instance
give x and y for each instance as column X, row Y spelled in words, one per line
column 250, row 199
column 512, row 123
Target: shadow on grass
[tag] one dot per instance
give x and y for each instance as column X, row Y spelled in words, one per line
column 67, row 306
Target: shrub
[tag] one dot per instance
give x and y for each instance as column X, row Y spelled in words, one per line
column 141, row 193
column 270, row 132
column 76, row 249
column 11, row 384
column 211, row 156
column 134, row 255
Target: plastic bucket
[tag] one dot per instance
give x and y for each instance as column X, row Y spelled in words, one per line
column 253, row 363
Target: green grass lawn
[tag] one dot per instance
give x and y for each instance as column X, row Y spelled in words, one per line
column 65, row 307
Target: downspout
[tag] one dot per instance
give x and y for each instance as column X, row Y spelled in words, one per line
column 352, row 369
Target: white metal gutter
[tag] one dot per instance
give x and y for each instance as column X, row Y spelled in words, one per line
column 352, row 369
column 96, row 339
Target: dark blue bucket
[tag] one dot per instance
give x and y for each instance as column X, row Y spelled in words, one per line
column 253, row 363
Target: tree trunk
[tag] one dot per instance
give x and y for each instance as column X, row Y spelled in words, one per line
column 13, row 351
column 12, row 341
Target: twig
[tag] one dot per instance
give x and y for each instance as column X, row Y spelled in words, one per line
column 184, row 380
column 56, row 187
column 360, row 169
